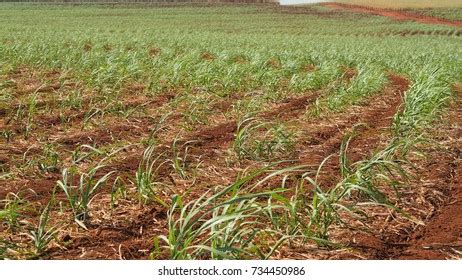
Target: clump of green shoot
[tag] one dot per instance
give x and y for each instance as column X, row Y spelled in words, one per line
column 146, row 182
column 80, row 194
column 262, row 140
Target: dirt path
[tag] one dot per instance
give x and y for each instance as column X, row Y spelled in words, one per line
column 394, row 14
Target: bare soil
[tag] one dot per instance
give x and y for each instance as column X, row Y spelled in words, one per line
column 394, row 14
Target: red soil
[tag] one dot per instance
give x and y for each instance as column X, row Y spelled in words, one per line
column 394, row 14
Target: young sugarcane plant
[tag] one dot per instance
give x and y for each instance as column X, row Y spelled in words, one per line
column 146, row 182
column 244, row 130
column 42, row 235
column 223, row 224
column 12, row 207
column 81, row 195
column 179, row 163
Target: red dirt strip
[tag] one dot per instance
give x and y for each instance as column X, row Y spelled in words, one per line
column 395, row 14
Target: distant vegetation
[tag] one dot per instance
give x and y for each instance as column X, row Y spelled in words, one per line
column 375, row 3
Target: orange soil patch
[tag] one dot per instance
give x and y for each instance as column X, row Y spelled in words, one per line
column 397, row 15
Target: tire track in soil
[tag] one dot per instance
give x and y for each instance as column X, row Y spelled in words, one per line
column 443, row 231
column 394, row 14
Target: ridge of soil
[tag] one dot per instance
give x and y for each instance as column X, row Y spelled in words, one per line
column 395, row 14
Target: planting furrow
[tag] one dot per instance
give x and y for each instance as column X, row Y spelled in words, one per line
column 291, row 107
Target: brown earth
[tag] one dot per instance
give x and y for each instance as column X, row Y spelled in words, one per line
column 394, row 14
